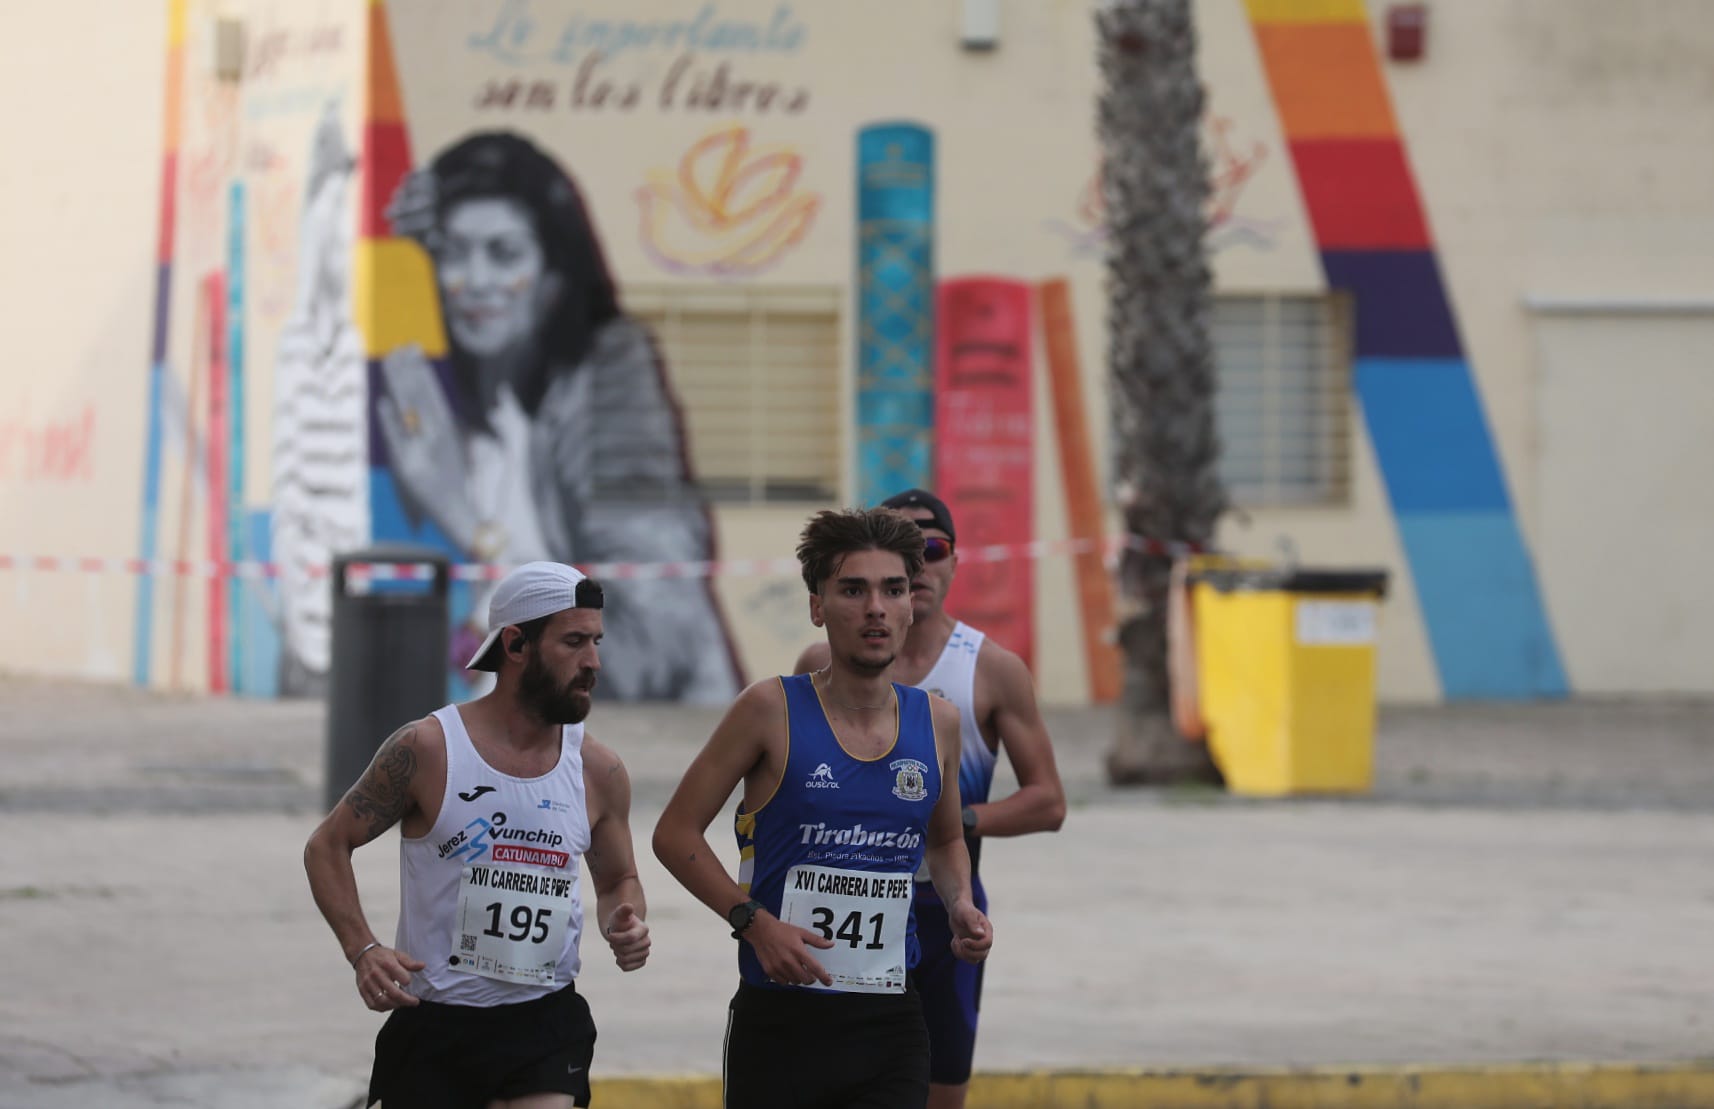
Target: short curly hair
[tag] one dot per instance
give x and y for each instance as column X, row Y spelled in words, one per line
column 831, row 534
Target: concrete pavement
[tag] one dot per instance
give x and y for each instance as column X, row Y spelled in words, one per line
column 1524, row 885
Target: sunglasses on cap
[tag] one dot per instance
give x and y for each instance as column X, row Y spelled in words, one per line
column 936, row 549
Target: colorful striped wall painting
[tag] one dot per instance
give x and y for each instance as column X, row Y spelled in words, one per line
column 1476, row 584
column 143, row 625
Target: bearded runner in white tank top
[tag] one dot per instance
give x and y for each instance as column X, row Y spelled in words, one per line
column 996, row 702
column 496, row 800
column 489, row 898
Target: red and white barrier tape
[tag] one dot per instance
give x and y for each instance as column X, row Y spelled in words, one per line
column 608, row 571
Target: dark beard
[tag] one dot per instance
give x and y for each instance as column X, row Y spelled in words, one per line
column 553, row 704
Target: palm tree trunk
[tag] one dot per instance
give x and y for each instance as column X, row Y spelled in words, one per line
column 1155, row 185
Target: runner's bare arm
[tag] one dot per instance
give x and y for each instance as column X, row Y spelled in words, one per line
column 1039, row 803
column 736, row 747
column 736, row 751
column 620, row 907
column 816, row 656
column 948, row 859
column 389, row 791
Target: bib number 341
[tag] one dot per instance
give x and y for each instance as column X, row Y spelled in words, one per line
column 863, row 913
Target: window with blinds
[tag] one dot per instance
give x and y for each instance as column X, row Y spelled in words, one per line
column 1283, row 367
column 756, row 370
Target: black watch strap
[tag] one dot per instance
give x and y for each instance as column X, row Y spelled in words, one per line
column 740, row 917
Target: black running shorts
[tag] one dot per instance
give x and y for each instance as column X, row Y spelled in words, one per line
column 434, row 1056
column 803, row 1049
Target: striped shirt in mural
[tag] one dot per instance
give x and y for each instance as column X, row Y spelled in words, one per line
column 320, row 479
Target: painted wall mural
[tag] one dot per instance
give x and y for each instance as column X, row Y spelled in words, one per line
column 319, row 452
column 895, row 309
column 1233, row 162
column 529, row 416
column 1474, row 576
column 984, row 450
column 730, row 207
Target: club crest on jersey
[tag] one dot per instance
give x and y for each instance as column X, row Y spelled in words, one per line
column 910, row 782
column 821, row 778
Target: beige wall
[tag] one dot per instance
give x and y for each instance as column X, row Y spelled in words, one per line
column 78, row 202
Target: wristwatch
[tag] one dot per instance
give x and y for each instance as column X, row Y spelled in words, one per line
column 969, row 821
column 740, row 917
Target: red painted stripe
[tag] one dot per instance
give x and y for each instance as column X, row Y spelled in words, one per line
column 169, row 207
column 1360, row 195
column 386, row 160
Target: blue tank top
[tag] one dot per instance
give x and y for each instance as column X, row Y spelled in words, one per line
column 833, row 820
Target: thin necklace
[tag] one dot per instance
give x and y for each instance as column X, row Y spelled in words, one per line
column 827, row 688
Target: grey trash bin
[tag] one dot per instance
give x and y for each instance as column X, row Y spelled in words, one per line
column 389, row 661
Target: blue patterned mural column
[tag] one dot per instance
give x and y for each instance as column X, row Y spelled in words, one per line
column 895, row 309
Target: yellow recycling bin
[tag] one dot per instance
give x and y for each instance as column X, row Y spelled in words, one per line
column 1285, row 663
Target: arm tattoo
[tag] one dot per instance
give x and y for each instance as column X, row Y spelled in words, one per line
column 383, row 794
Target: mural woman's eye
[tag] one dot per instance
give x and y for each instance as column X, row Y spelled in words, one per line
column 508, row 251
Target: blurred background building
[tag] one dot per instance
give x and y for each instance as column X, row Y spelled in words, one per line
column 640, row 281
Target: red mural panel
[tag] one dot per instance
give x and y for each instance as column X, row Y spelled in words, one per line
column 984, row 451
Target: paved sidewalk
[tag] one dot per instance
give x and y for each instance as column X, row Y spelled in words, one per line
column 1525, row 884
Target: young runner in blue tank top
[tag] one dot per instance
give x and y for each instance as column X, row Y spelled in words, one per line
column 996, row 704
column 850, row 788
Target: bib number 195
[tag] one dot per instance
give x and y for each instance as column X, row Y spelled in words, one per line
column 523, row 923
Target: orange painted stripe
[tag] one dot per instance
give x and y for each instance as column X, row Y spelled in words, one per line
column 386, row 105
column 173, row 131
column 1082, row 499
column 1327, row 81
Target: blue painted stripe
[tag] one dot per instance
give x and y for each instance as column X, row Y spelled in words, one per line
column 1482, row 606
column 142, row 629
column 235, row 523
column 1401, row 305
column 1431, row 435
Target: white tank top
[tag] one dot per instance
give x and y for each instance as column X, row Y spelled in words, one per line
column 490, row 898
column 954, row 678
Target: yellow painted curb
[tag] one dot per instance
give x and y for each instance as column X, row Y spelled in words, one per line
column 1688, row 1085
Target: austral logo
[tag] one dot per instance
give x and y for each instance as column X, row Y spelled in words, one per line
column 822, row 778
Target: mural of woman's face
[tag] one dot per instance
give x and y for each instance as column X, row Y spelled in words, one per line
column 493, row 275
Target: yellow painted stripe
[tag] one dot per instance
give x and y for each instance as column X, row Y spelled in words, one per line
column 412, row 314
column 1521, row 1086
column 1307, row 11
column 178, row 18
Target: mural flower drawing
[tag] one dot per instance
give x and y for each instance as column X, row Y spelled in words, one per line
column 730, row 208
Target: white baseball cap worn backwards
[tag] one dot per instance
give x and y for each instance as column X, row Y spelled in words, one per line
column 531, row 591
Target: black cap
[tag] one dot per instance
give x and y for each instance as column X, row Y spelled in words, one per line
column 922, row 498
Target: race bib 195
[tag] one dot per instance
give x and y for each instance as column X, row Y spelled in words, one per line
column 511, row 923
